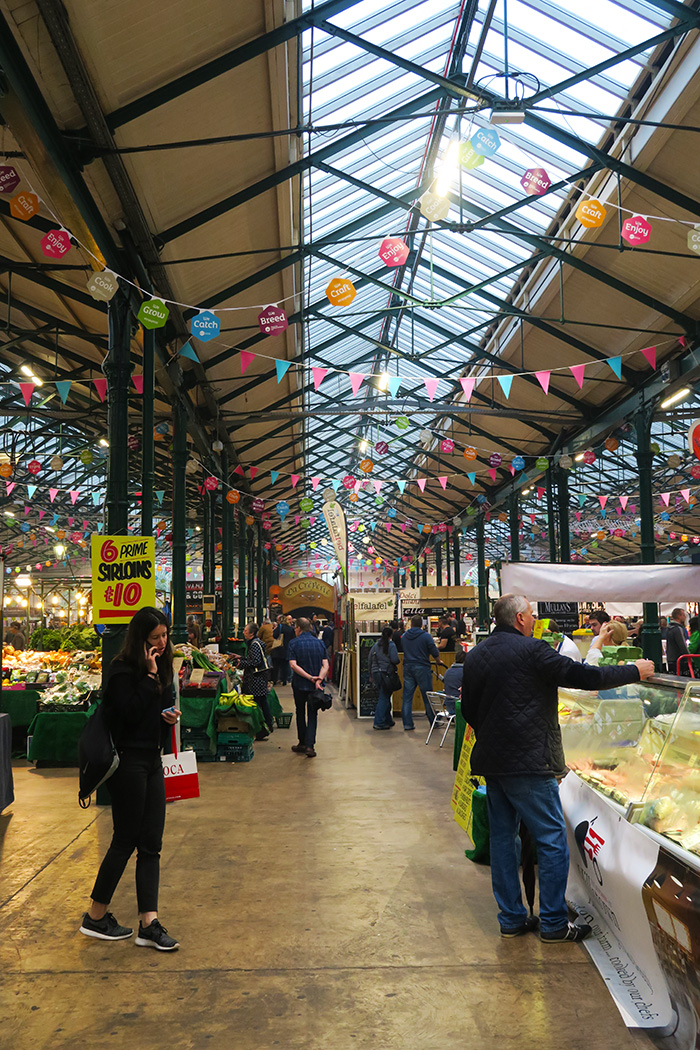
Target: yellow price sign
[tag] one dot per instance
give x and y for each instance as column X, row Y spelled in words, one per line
column 123, row 576
column 539, row 628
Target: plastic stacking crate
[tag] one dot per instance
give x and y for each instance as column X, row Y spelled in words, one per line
column 197, row 740
column 284, row 720
column 225, row 740
column 235, row 753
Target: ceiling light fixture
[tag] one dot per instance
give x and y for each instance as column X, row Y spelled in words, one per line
column 678, row 396
column 578, row 458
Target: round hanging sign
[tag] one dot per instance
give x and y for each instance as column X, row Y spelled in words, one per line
column 273, row 321
column 393, row 251
column 34, row 466
column 86, row 457
column 153, row 313
column 349, row 481
column 503, row 516
column 378, row 501
column 306, row 504
column 211, row 484
column 636, row 230
column 403, row 422
column 518, row 463
column 469, row 452
column 695, row 471
column 391, row 513
column 134, row 443
column 600, row 535
column 250, row 520
column 590, row 213
column 305, row 523
column 442, row 527
column 542, row 463
column 612, row 444
column 232, row 496
column 471, row 511
column 9, row 178
column 619, row 533
column 353, row 497
column 589, row 456
column 103, row 286
column 341, row 291
column 674, row 461
column 56, row 463
column 329, row 495
column 665, row 516
column 656, row 448
column 381, row 448
column 481, row 498
column 495, row 459
column 366, row 465
column 258, row 505
column 55, row 244
column 25, row 526
column 447, row 446
column 566, row 462
column 60, row 535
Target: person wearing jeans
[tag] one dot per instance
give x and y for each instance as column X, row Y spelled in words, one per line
column 510, row 699
column 383, row 661
column 418, row 647
column 309, row 662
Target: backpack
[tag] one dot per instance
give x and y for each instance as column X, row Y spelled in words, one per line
column 97, row 756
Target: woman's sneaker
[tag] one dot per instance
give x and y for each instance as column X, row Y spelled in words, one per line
column 156, row 936
column 105, row 929
column 567, row 933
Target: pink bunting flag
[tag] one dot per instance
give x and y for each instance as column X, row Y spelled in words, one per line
column 297, row 519
column 70, row 522
column 650, row 354
column 492, row 473
column 253, row 472
column 246, row 360
column 9, row 485
column 377, row 486
column 27, row 391
column 138, row 383
column 356, row 379
column 623, row 501
column 314, row 483
column 319, row 374
column 602, row 500
column 577, row 515
column 540, row 491
column 681, row 340
column 74, row 495
column 443, row 482
column 239, row 470
column 431, row 386
column 295, row 479
column 685, row 493
column 665, row 497
column 543, row 379
column 41, row 514
column 101, row 388
column 403, row 526
column 421, row 483
column 468, row 388
column 388, row 526
column 52, row 494
column 512, row 470
column 577, row 372
column 26, row 509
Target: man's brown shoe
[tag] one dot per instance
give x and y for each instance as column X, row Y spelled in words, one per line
column 310, row 753
column 299, row 748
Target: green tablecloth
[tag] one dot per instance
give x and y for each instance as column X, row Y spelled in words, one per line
column 199, row 712
column 275, row 705
column 55, row 736
column 20, row 705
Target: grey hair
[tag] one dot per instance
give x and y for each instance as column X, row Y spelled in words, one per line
column 507, row 608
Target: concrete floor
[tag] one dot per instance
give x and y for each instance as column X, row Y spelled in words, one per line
column 322, row 904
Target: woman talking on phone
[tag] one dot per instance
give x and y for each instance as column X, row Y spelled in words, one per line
column 138, row 704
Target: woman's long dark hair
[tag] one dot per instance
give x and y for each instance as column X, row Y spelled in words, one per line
column 133, row 651
column 387, row 634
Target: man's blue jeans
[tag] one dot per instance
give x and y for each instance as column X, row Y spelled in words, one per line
column 535, row 800
column 415, row 677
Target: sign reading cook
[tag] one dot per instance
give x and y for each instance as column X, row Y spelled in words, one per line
column 123, row 576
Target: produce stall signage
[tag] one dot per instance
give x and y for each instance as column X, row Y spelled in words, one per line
column 123, row 576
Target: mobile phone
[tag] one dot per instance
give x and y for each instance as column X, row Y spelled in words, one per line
column 169, row 710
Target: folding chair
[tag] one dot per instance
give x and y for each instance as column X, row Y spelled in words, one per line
column 442, row 715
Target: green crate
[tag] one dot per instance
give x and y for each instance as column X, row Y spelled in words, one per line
column 284, row 719
column 233, row 739
column 235, row 753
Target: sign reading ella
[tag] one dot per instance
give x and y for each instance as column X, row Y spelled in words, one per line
column 123, row 576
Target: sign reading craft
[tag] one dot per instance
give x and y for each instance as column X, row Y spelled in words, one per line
column 123, row 576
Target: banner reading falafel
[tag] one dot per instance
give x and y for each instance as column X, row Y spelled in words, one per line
column 123, row 576
column 610, row 862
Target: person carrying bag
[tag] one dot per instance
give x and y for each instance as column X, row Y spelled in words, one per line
column 383, row 661
column 256, row 676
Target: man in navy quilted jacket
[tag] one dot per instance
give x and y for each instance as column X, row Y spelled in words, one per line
column 510, row 699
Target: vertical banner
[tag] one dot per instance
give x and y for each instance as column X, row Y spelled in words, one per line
column 123, row 576
column 611, row 861
column 465, row 784
column 338, row 529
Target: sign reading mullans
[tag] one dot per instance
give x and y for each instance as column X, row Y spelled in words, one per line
column 338, row 529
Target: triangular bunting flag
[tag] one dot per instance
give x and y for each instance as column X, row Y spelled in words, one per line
column 472, row 478
column 403, row 529
column 377, row 486
column 282, row 367
column 540, row 491
column 96, row 498
column 188, row 351
column 603, row 512
column 54, row 520
column 623, row 501
column 52, row 496
column 356, row 379
column 581, row 499
column 602, row 500
column 295, row 479
column 388, row 526
column 443, row 482
column 616, row 365
column 9, row 485
column 431, row 386
column 101, row 388
column 650, row 354
column 27, row 391
column 247, row 359
column 492, row 473
column 314, row 483
column 402, row 486
column 543, row 379
column 160, row 496
column 41, row 514
column 63, row 386
column 74, row 495
column 138, row 383
column 253, row 472
column 468, row 388
column 421, row 483
column 319, row 375
column 31, row 489
column 577, row 372
column 335, row 485
column 506, row 383
column 685, row 493
column 394, row 384
column 577, row 515
column 665, row 497
column 274, row 474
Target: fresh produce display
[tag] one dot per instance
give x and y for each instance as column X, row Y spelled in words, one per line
column 71, row 688
column 68, row 638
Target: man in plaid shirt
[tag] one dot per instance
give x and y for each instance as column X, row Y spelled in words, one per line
column 309, row 662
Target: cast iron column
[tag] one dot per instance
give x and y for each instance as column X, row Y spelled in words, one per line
column 481, row 568
column 448, row 560
column 438, row 564
column 424, row 567
column 651, row 636
column 208, row 559
column 457, row 558
column 260, row 603
column 241, row 574
column 117, row 368
column 551, row 522
column 514, row 523
column 148, row 454
column 179, row 601
column 563, row 504
column 226, row 561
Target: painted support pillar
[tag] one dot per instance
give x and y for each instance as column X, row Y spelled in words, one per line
column 514, row 525
column 260, row 589
column 179, row 601
column 448, row 560
column 209, row 558
column 251, row 570
column 457, row 555
column 651, row 636
column 226, row 563
column 551, row 520
column 481, row 569
column 563, row 505
column 242, row 542
column 438, row 565
column 147, row 448
column 424, row 569
column 117, row 368
column 413, row 578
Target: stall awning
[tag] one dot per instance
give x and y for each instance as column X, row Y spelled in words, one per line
column 542, row 581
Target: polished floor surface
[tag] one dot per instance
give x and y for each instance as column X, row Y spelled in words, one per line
column 322, row 904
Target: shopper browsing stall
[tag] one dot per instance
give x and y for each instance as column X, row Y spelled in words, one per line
column 383, row 661
column 676, row 644
column 256, row 676
column 139, row 710
column 611, row 633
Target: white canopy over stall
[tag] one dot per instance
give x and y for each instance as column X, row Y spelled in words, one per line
column 546, row 581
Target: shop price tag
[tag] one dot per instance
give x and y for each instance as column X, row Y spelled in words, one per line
column 197, row 676
column 123, row 576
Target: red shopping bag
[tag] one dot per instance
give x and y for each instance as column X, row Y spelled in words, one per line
column 180, row 772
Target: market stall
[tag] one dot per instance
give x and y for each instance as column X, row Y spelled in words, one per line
column 7, row 794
